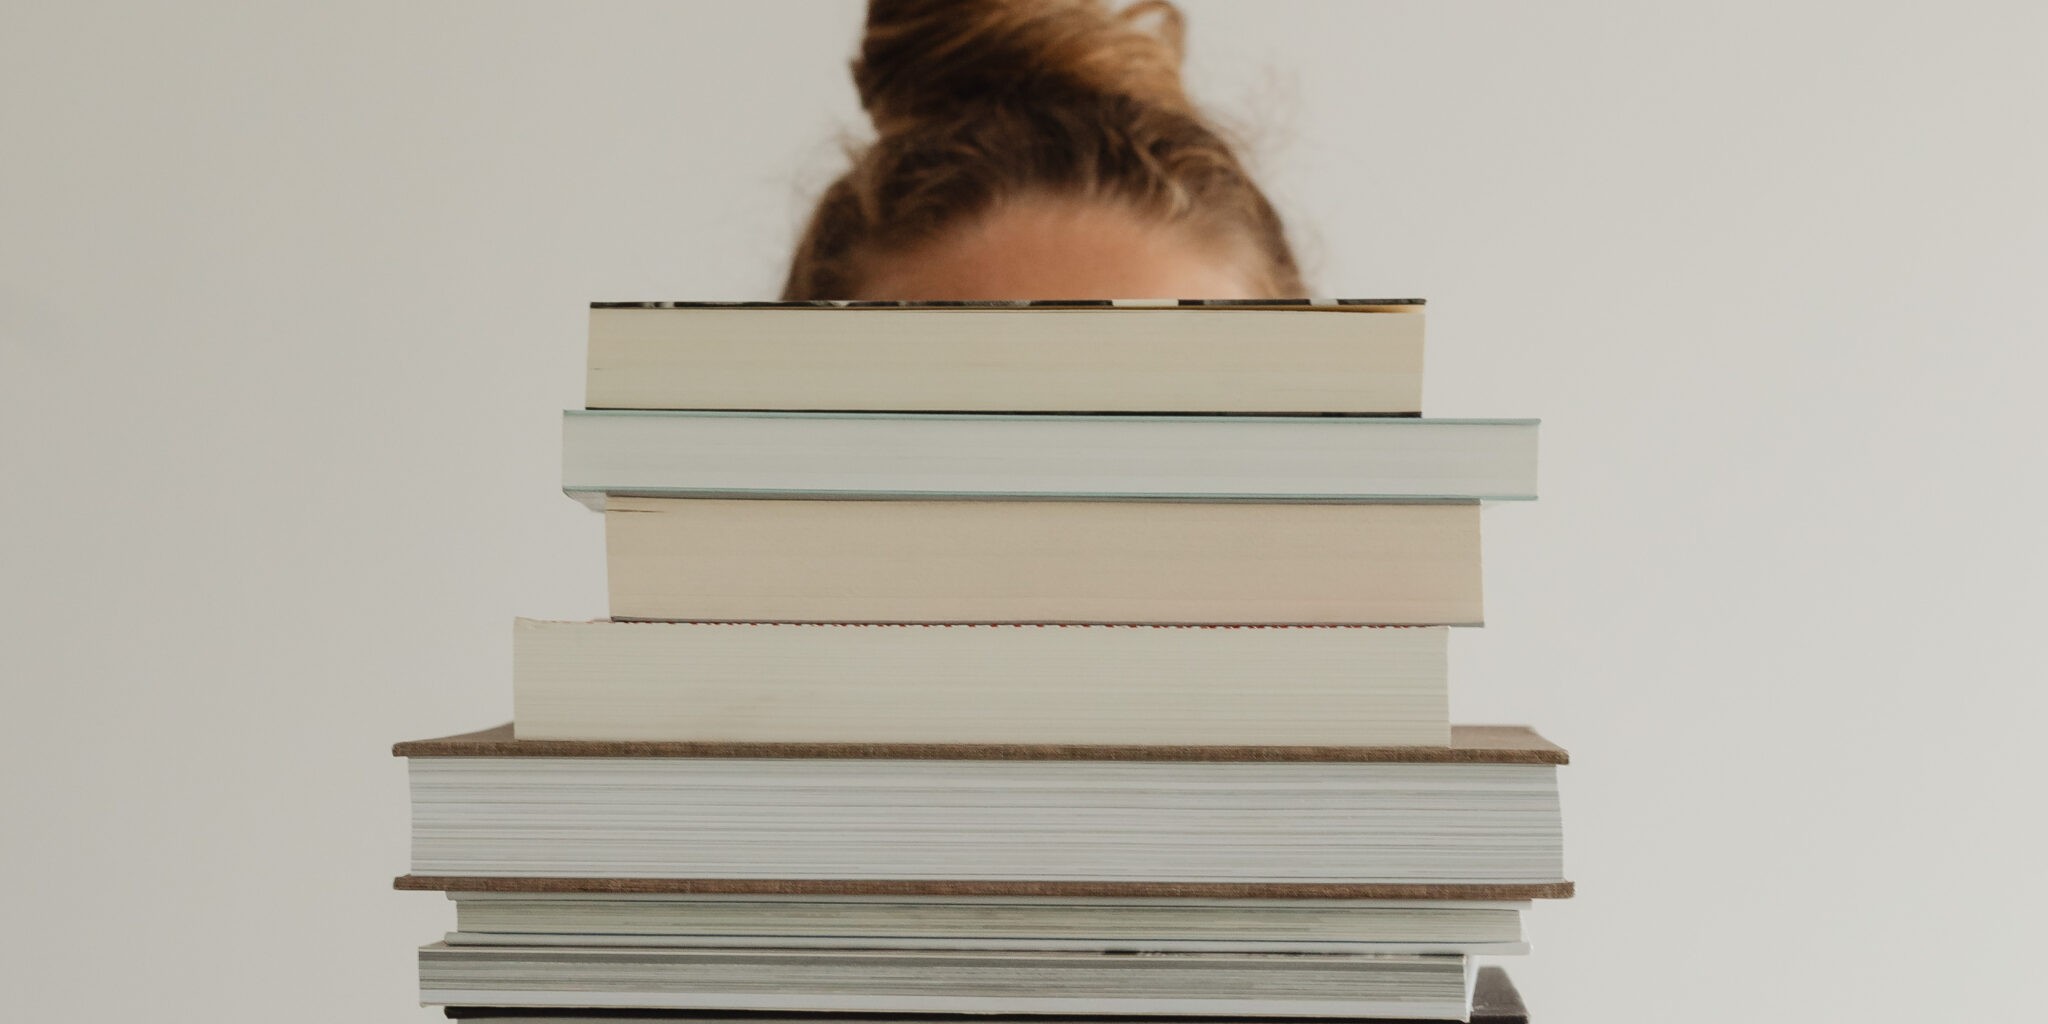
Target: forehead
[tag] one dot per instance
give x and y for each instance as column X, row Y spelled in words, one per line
column 1060, row 249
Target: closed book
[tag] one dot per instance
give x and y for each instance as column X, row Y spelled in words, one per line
column 1196, row 458
column 1494, row 1001
column 1131, row 925
column 1074, row 684
column 1477, row 819
column 1345, row 355
column 1240, row 563
column 928, row 981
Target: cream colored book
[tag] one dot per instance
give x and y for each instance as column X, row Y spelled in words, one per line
column 1043, row 561
column 1295, row 356
column 1075, row 685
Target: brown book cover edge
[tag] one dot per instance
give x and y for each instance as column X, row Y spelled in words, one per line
column 1470, row 744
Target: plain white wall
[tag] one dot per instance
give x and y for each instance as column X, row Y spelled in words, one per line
column 291, row 295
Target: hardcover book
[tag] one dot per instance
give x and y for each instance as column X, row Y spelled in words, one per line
column 1478, row 819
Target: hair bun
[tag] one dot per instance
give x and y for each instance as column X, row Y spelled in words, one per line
column 927, row 59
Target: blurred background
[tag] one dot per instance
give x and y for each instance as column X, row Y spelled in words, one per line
column 291, row 297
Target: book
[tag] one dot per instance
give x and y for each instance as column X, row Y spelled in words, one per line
column 1477, row 819
column 1133, row 925
column 1494, row 1001
column 1345, row 356
column 811, row 682
column 961, row 981
column 823, row 455
column 1043, row 561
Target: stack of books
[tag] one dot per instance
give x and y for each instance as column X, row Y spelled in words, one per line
column 1076, row 659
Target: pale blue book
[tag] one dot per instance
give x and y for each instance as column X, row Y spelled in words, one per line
column 650, row 453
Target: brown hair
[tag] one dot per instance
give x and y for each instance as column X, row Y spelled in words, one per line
column 978, row 101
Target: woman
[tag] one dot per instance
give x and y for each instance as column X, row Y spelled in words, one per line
column 1036, row 149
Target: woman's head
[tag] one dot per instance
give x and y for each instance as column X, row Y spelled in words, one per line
column 1036, row 149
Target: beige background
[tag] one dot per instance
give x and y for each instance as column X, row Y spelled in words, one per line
column 290, row 296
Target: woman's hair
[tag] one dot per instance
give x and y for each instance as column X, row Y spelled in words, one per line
column 975, row 102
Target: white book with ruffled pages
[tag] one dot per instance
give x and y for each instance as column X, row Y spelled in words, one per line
column 1477, row 819
column 1129, row 924
column 960, row 981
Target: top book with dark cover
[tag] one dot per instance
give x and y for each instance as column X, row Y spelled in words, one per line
column 1356, row 356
